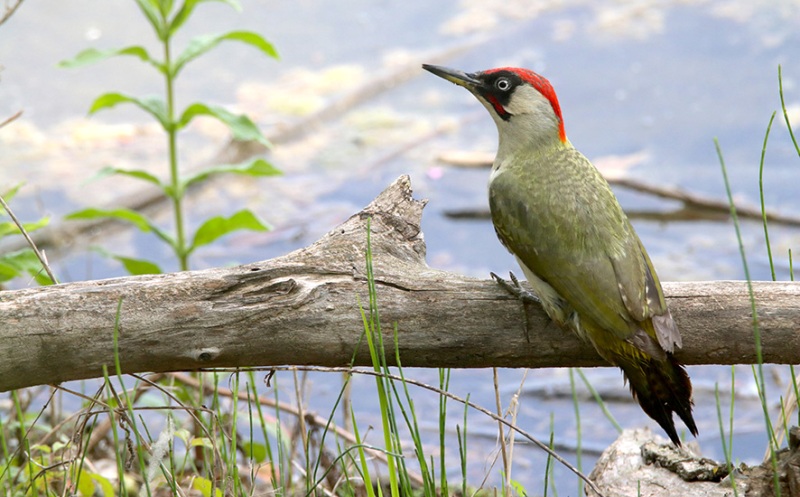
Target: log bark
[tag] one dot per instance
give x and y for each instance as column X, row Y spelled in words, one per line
column 303, row 309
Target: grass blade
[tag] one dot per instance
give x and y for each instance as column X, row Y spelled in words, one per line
column 758, row 370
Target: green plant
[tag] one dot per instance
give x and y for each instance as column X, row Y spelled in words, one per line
column 396, row 404
column 579, row 446
column 727, row 447
column 758, row 369
column 773, row 441
column 166, row 17
column 20, row 262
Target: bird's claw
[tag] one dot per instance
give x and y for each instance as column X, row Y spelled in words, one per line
column 524, row 296
column 515, row 289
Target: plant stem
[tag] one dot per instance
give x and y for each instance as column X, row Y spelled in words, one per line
column 761, row 195
column 174, row 173
column 785, row 112
column 758, row 369
column 578, row 447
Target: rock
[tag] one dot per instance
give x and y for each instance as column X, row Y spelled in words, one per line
column 641, row 463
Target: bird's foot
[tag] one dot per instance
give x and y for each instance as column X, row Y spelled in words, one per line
column 525, row 296
column 515, row 289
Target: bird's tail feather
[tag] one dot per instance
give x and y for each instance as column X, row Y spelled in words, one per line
column 662, row 387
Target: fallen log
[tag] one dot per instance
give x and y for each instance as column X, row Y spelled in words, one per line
column 303, row 309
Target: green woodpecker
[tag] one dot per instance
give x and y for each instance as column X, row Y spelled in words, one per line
column 557, row 215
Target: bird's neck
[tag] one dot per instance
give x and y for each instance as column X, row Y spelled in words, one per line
column 528, row 136
column 520, row 145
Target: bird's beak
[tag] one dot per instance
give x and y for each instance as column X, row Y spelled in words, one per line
column 455, row 76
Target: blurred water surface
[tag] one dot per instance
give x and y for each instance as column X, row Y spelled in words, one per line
column 643, row 83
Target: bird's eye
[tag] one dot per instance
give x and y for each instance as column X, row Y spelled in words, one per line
column 502, row 84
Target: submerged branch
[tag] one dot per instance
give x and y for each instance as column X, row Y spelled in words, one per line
column 695, row 207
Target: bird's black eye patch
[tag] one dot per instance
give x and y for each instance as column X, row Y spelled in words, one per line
column 497, row 88
column 502, row 84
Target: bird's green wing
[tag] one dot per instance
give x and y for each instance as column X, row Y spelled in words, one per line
column 587, row 251
column 646, row 304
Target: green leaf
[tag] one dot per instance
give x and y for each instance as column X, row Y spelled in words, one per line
column 519, row 488
column 105, row 485
column 257, row 167
column 188, row 6
column 204, row 486
column 15, row 264
column 219, row 226
column 9, row 267
column 139, row 220
column 11, row 192
column 93, row 55
column 181, row 433
column 182, row 15
column 10, row 228
column 152, row 105
column 132, row 265
column 202, row 44
column 155, row 106
column 41, row 448
column 201, row 442
column 257, row 450
column 57, row 446
column 164, row 236
column 138, row 266
column 133, row 173
column 165, row 7
column 85, row 484
column 108, row 100
column 241, row 126
column 152, row 12
column 40, row 275
column 233, row 3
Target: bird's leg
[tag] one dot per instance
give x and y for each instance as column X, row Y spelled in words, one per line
column 515, row 289
column 525, row 296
